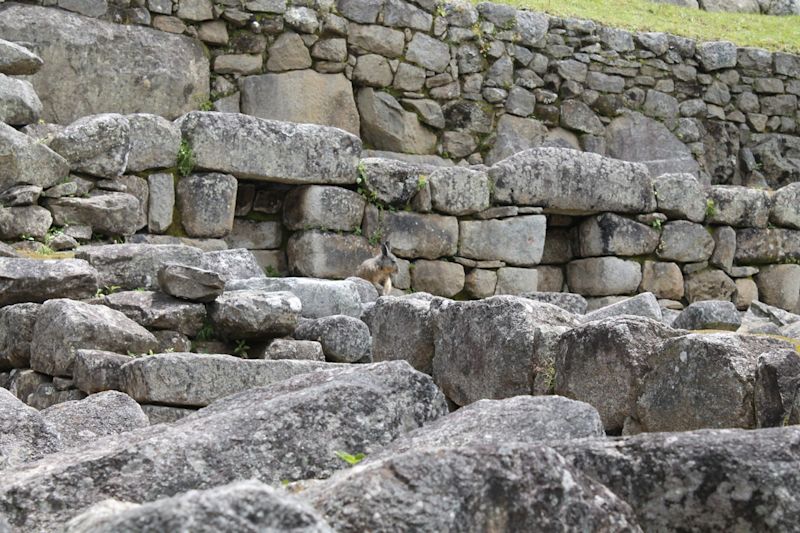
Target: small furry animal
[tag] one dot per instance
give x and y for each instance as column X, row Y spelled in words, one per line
column 379, row 269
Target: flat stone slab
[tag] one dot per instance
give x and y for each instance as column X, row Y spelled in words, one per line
column 259, row 149
column 196, row 380
column 319, row 297
column 92, row 66
column 572, row 182
column 31, row 280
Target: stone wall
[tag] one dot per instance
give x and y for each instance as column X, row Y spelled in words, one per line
column 461, row 82
column 308, row 200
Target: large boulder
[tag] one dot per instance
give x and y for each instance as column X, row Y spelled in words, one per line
column 19, row 104
column 18, row 60
column 325, row 207
column 476, row 488
column 387, row 126
column 392, row 181
column 572, row 181
column 31, row 280
column 610, row 234
column 318, row 297
column 402, row 328
column 644, row 304
column 327, row 255
column 232, row 507
column 709, row 314
column 25, row 436
column 107, row 213
column 603, row 276
column 207, row 203
column 519, row 419
column 702, row 381
column 302, row 96
column 250, row 314
column 604, row 362
column 153, row 71
column 135, row 266
column 232, row 264
column 156, row 310
column 16, row 332
column 714, row 480
column 344, row 339
column 515, row 240
column 98, row 370
column 492, row 348
column 259, row 149
column 78, row 422
column 417, row 235
column 190, row 283
column 98, row 145
column 634, row 137
column 65, row 326
column 252, row 434
column 196, row 380
column 26, row 161
column 155, row 142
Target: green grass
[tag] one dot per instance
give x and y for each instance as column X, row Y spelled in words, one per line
column 772, row 33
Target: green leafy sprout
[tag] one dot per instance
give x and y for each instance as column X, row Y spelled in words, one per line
column 350, row 459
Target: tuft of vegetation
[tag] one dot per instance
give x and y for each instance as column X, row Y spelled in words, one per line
column 186, row 159
column 272, row 272
column 711, row 208
column 241, row 349
column 422, row 181
column 350, row 459
column 106, row 290
column 744, row 29
column 208, row 105
column 656, row 224
column 206, row 333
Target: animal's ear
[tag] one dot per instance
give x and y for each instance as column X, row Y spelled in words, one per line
column 386, row 248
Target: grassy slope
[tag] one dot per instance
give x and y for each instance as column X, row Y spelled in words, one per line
column 773, row 33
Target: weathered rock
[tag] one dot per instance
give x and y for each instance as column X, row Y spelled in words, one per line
column 24, row 382
column 16, row 332
column 644, row 304
column 190, row 283
column 387, row 126
column 98, row 370
column 79, row 53
column 26, row 436
column 480, row 283
column 779, row 285
column 197, row 380
column 291, row 349
column 489, row 348
column 644, row 471
column 232, row 264
column 325, row 255
column 459, row 191
column 98, row 145
column 516, row 281
column 708, row 285
column 249, row 314
column 402, row 328
column 576, row 115
column 776, row 384
column 155, row 310
column 709, row 314
column 516, row 240
column 520, row 419
column 515, row 134
column 391, row 181
column 65, row 326
column 344, row 339
column 680, row 196
column 786, row 206
column 19, row 104
column 250, row 504
column 664, row 280
column 740, row 207
column 154, row 142
column 634, row 137
column 135, row 266
column 20, row 195
column 319, row 206
column 574, row 303
column 319, row 298
column 304, row 96
column 441, row 278
column 701, row 381
column 17, row 60
column 107, row 213
column 685, row 242
column 255, row 235
column 604, row 363
column 610, row 234
column 31, row 280
column 603, row 276
column 523, row 476
column 206, row 203
column 161, row 202
column 26, row 161
column 572, row 181
column 259, row 149
column 717, row 55
column 291, row 415
column 756, row 246
column 99, row 415
column 413, row 235
column 29, row 221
